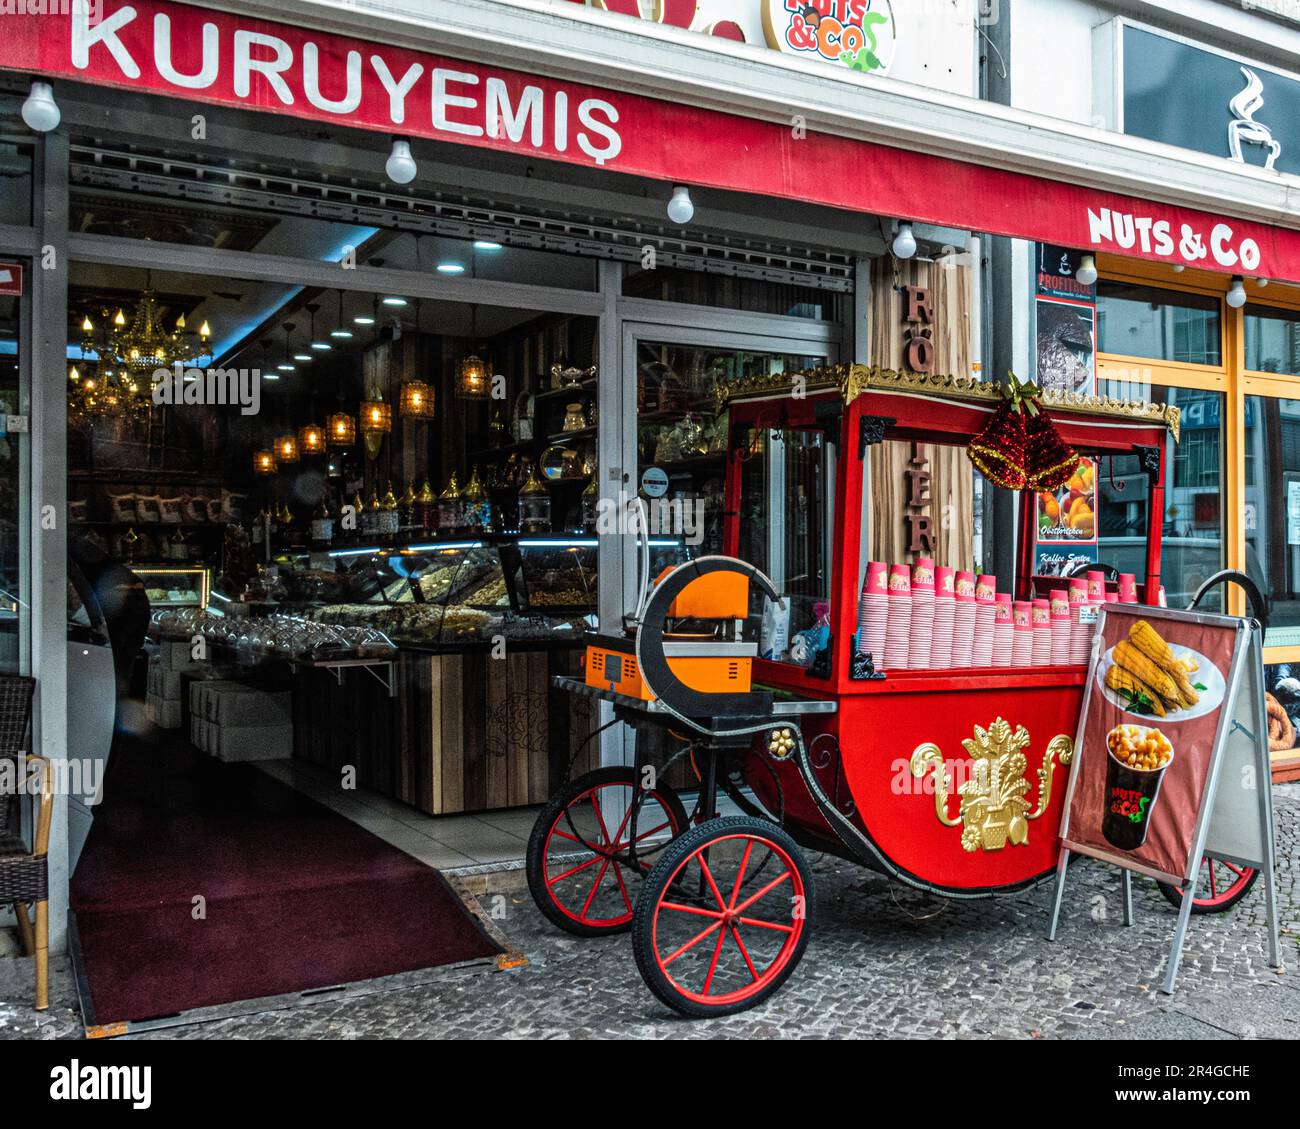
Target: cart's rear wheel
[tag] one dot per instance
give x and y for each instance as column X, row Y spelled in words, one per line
column 724, row 917
column 578, row 871
column 1220, row 887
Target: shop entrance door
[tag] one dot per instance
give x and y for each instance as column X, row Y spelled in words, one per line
column 673, row 363
column 15, row 466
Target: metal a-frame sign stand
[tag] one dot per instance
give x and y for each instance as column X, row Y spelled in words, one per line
column 1235, row 823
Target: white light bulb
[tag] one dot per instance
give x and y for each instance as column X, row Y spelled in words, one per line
column 1237, row 293
column 904, row 242
column 680, row 209
column 400, row 166
column 41, row 111
column 1087, row 272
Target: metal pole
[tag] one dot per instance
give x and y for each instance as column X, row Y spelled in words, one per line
column 1127, row 888
column 1061, row 865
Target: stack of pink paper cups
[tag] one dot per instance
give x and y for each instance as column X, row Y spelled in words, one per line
column 922, row 613
column 986, row 600
column 1022, row 643
column 1040, row 616
column 1060, row 616
column 963, row 619
column 873, row 612
column 898, row 631
column 1003, row 630
column 1080, row 632
column 944, row 608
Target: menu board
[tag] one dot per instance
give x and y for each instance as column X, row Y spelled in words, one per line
column 1154, row 720
column 1065, row 523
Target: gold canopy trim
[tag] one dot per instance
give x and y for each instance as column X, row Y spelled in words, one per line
column 852, row 380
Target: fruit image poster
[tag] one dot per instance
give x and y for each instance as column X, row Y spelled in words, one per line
column 1153, row 706
column 1068, row 515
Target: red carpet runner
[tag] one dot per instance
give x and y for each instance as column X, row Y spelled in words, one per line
column 294, row 896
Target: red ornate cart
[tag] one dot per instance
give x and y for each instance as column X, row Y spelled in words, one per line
column 836, row 758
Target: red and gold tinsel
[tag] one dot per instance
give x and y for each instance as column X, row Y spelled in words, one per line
column 1049, row 460
column 998, row 451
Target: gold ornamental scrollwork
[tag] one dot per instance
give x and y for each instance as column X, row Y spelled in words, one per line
column 994, row 808
column 852, row 380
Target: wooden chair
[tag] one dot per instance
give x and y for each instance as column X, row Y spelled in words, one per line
column 24, row 872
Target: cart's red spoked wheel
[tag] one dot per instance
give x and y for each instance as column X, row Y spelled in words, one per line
column 735, row 943
column 578, row 854
column 1220, row 887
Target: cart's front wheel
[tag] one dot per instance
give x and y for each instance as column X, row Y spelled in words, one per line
column 1220, row 887
column 579, row 852
column 724, row 917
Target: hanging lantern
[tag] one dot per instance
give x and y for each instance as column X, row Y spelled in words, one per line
column 472, row 379
column 286, row 449
column 417, row 400
column 263, row 462
column 376, row 422
column 311, row 439
column 342, row 430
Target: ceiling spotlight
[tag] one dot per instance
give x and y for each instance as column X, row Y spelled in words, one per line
column 394, row 301
column 1087, row 272
column 1179, row 268
column 287, row 367
column 1261, row 282
column 1237, row 293
column 680, row 208
column 904, row 242
column 270, row 376
column 343, row 333
column 401, row 166
column 41, row 111
column 486, row 245
column 363, row 319
column 322, row 346
column 451, row 268
column 302, row 356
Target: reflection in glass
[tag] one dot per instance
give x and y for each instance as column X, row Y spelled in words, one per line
column 1272, row 517
column 1272, row 340
column 1145, row 321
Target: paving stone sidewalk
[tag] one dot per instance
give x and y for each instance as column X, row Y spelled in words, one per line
column 883, row 962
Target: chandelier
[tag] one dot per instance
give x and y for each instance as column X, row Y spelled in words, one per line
column 120, row 355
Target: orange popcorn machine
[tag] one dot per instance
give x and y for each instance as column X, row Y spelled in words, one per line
column 895, row 716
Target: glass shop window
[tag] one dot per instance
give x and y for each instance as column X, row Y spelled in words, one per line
column 1145, row 321
column 1282, row 697
column 1272, row 516
column 1272, row 340
column 787, row 512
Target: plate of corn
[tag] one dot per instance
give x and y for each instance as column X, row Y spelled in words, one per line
column 1146, row 676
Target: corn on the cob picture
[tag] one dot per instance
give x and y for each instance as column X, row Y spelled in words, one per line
column 1149, row 675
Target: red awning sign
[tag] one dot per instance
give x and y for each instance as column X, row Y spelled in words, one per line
column 187, row 52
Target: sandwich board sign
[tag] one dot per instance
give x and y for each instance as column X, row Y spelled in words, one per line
column 1171, row 758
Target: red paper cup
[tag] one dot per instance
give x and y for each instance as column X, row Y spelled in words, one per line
column 1128, row 589
column 1040, row 613
column 877, row 578
column 1096, row 587
column 1078, row 590
column 1022, row 612
column 964, row 585
column 900, row 580
column 1003, row 608
column 943, row 581
column 986, row 589
column 1112, row 597
column 923, row 574
column 1060, row 603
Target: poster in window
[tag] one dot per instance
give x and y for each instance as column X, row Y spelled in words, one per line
column 1057, row 267
column 1066, row 346
column 1065, row 523
column 1150, row 728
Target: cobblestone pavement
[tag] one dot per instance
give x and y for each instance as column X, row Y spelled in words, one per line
column 882, row 962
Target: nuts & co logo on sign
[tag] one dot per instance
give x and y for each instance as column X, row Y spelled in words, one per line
column 858, row 33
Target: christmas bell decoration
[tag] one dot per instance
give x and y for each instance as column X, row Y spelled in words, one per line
column 1049, row 460
column 998, row 451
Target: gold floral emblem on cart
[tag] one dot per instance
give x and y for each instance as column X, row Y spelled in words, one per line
column 994, row 808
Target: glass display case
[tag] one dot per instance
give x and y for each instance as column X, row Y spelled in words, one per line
column 175, row 586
